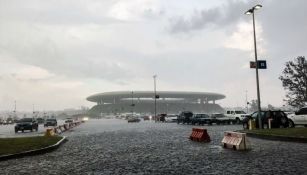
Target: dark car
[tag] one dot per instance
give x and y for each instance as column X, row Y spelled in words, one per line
column 185, row 117
column 201, row 119
column 26, row 124
column 133, row 120
column 278, row 119
column 50, row 122
column 40, row 120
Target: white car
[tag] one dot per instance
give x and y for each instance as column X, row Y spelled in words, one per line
column 171, row 118
column 299, row 118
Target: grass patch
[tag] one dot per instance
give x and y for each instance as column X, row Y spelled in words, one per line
column 287, row 132
column 21, row 144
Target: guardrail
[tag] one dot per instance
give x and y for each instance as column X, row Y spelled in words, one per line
column 61, row 128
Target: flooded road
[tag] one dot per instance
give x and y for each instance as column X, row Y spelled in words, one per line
column 117, row 147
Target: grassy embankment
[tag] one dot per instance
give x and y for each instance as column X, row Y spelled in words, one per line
column 21, row 144
column 286, row 132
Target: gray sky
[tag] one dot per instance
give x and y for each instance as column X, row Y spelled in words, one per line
column 55, row 53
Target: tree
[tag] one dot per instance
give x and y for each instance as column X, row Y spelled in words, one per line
column 294, row 81
column 270, row 107
column 254, row 105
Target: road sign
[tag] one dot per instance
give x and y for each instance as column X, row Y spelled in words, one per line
column 261, row 64
column 252, row 64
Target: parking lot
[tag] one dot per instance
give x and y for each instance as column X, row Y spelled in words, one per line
column 118, row 147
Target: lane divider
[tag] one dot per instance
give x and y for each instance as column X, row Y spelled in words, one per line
column 61, row 128
column 236, row 141
column 200, row 135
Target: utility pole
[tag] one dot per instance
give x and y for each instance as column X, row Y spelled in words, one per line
column 246, row 101
column 132, row 105
column 155, row 97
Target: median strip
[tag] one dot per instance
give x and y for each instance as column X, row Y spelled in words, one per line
column 281, row 134
column 28, row 146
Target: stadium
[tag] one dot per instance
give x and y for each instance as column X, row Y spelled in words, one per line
column 143, row 102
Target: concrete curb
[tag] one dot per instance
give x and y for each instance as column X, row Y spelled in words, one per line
column 34, row 152
column 277, row 137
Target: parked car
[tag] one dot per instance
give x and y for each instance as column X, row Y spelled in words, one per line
column 50, row 122
column 171, row 118
column 26, row 124
column 184, row 117
column 161, row 117
column 219, row 118
column 237, row 116
column 40, row 120
column 69, row 120
column 298, row 118
column 133, row 119
column 201, row 119
column 279, row 119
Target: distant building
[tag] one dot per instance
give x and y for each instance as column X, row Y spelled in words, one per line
column 143, row 102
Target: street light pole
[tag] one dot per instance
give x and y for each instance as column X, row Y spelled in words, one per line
column 132, row 105
column 154, row 77
column 252, row 11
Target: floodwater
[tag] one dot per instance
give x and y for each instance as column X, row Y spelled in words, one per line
column 117, row 147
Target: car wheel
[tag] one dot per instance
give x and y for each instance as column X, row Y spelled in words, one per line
column 22, row 130
column 245, row 125
column 16, row 130
column 31, row 129
column 291, row 124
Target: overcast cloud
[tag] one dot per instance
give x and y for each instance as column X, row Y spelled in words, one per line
column 56, row 53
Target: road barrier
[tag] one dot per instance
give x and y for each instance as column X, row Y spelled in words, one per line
column 251, row 124
column 61, row 128
column 57, row 130
column 49, row 132
column 200, row 135
column 270, row 123
column 236, row 141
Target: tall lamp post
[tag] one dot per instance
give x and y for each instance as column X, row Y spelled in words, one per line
column 252, row 12
column 132, row 104
column 154, row 77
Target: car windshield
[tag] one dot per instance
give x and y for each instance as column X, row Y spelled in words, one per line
column 25, row 120
column 51, row 120
column 240, row 112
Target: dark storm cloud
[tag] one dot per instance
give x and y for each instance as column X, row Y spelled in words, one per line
column 220, row 16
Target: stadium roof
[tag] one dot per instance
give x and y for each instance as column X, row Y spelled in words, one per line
column 110, row 96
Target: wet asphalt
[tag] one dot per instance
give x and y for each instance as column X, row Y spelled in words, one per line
column 116, row 147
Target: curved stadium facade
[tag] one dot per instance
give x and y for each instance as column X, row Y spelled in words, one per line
column 143, row 102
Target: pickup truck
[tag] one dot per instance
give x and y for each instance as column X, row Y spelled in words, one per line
column 236, row 116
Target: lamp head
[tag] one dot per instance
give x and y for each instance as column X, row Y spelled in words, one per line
column 249, row 12
column 258, row 6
